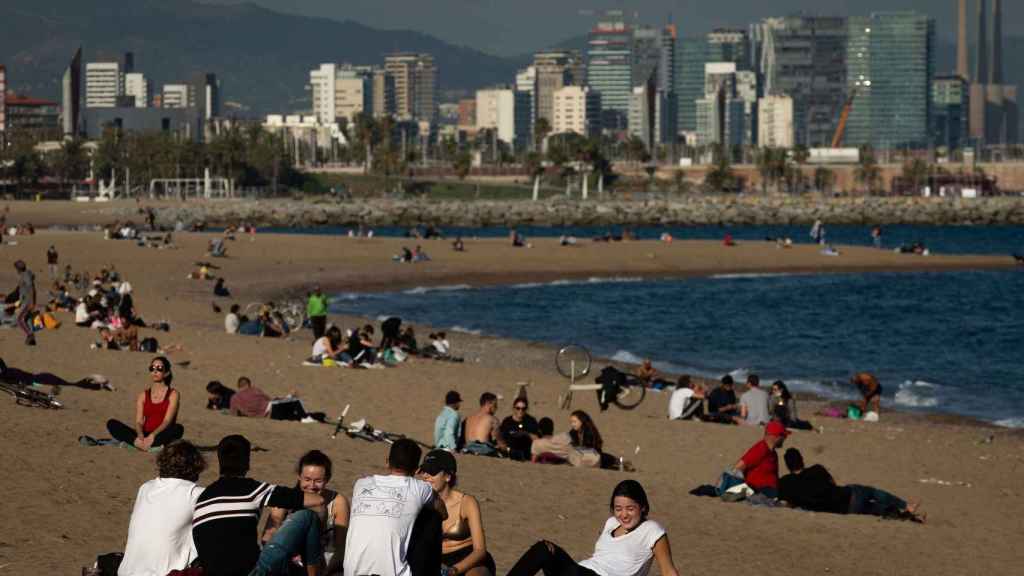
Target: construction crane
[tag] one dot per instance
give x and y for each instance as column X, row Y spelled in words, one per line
column 844, row 117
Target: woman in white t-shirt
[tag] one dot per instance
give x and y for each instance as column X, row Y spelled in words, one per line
column 160, row 530
column 627, row 545
column 328, row 345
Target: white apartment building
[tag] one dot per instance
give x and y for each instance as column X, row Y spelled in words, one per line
column 321, row 82
column 103, row 84
column 175, row 96
column 575, row 109
column 775, row 122
column 137, row 86
column 496, row 110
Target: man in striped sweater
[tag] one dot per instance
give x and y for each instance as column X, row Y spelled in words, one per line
column 227, row 514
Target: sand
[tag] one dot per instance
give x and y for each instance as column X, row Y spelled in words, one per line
column 66, row 503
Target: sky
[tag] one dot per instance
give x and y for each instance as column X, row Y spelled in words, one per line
column 512, row 27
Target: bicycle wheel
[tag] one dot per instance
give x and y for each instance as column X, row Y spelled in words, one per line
column 630, row 397
column 294, row 317
column 573, row 361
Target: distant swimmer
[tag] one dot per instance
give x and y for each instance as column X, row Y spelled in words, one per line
column 870, row 389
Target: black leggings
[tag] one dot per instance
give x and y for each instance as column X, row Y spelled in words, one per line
column 14, row 375
column 549, row 558
column 125, row 433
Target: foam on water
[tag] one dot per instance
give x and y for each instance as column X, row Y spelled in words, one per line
column 918, row 394
column 426, row 289
column 465, row 330
column 1010, row 423
column 753, row 275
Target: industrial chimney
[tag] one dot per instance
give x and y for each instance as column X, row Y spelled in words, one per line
column 962, row 63
column 997, row 42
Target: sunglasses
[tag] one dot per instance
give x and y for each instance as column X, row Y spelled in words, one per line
column 523, row 408
column 157, row 368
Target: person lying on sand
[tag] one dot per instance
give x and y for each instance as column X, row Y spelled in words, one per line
column 628, row 544
column 17, row 377
column 814, row 489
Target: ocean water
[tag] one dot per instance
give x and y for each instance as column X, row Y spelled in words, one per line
column 947, row 342
column 939, row 239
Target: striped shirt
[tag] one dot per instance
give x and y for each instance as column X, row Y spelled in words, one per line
column 226, row 519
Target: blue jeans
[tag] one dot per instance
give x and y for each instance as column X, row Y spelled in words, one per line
column 300, row 534
column 870, row 500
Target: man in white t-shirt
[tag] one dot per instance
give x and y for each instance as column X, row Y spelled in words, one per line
column 686, row 401
column 384, row 511
column 160, row 530
column 232, row 321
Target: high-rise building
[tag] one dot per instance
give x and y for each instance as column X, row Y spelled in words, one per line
column 667, row 59
column 204, row 94
column 721, row 115
column 804, row 57
column 963, row 68
column 3, row 102
column 551, row 71
column 950, row 111
column 775, row 122
column 138, row 89
column 104, row 84
column 71, row 96
column 175, row 96
column 341, row 92
column 721, row 45
column 321, row 83
column 416, row 78
column 496, row 110
column 646, row 55
column 383, row 93
column 576, row 109
column 994, row 112
column 610, row 68
column 526, row 89
column 890, row 64
column 467, row 113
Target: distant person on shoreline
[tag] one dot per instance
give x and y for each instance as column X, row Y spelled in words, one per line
column 876, row 237
column 817, row 232
column 814, row 489
column 870, row 390
column 458, row 245
column 629, row 543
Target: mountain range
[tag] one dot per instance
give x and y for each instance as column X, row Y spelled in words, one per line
column 262, row 57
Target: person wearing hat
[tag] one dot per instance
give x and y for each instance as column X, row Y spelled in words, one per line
column 446, row 426
column 759, row 467
column 463, row 546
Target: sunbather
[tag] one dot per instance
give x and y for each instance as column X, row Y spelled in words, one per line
column 156, row 412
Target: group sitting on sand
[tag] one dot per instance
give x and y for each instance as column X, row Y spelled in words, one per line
column 520, row 436
column 431, row 526
column 357, row 348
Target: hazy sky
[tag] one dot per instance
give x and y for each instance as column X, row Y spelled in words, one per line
column 509, row 27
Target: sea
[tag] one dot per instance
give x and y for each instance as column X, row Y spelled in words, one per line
column 950, row 342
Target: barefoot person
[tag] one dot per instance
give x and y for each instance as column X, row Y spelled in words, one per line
column 156, row 412
column 627, row 546
column 814, row 489
column 870, row 390
column 463, row 546
column 26, row 300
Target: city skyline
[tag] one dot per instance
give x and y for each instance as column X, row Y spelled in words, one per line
column 496, row 27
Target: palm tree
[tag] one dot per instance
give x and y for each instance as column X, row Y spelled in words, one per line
column 720, row 178
column 868, row 173
column 535, row 167
column 541, row 129
column 915, row 173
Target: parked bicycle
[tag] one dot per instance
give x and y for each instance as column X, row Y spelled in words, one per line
column 573, row 362
column 31, row 396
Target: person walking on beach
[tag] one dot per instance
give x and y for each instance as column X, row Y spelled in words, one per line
column 51, row 262
column 818, row 232
column 316, row 309
column 26, row 300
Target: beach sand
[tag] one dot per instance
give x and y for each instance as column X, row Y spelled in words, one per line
column 66, row 503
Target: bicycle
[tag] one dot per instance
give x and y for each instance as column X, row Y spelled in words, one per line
column 293, row 314
column 31, row 397
column 573, row 362
column 363, row 431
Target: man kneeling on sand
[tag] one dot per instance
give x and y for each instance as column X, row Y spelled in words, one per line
column 814, row 489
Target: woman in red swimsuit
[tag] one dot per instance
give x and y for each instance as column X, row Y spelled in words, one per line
column 156, row 412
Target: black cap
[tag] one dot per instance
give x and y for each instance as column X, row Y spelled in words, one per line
column 452, row 397
column 439, row 461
